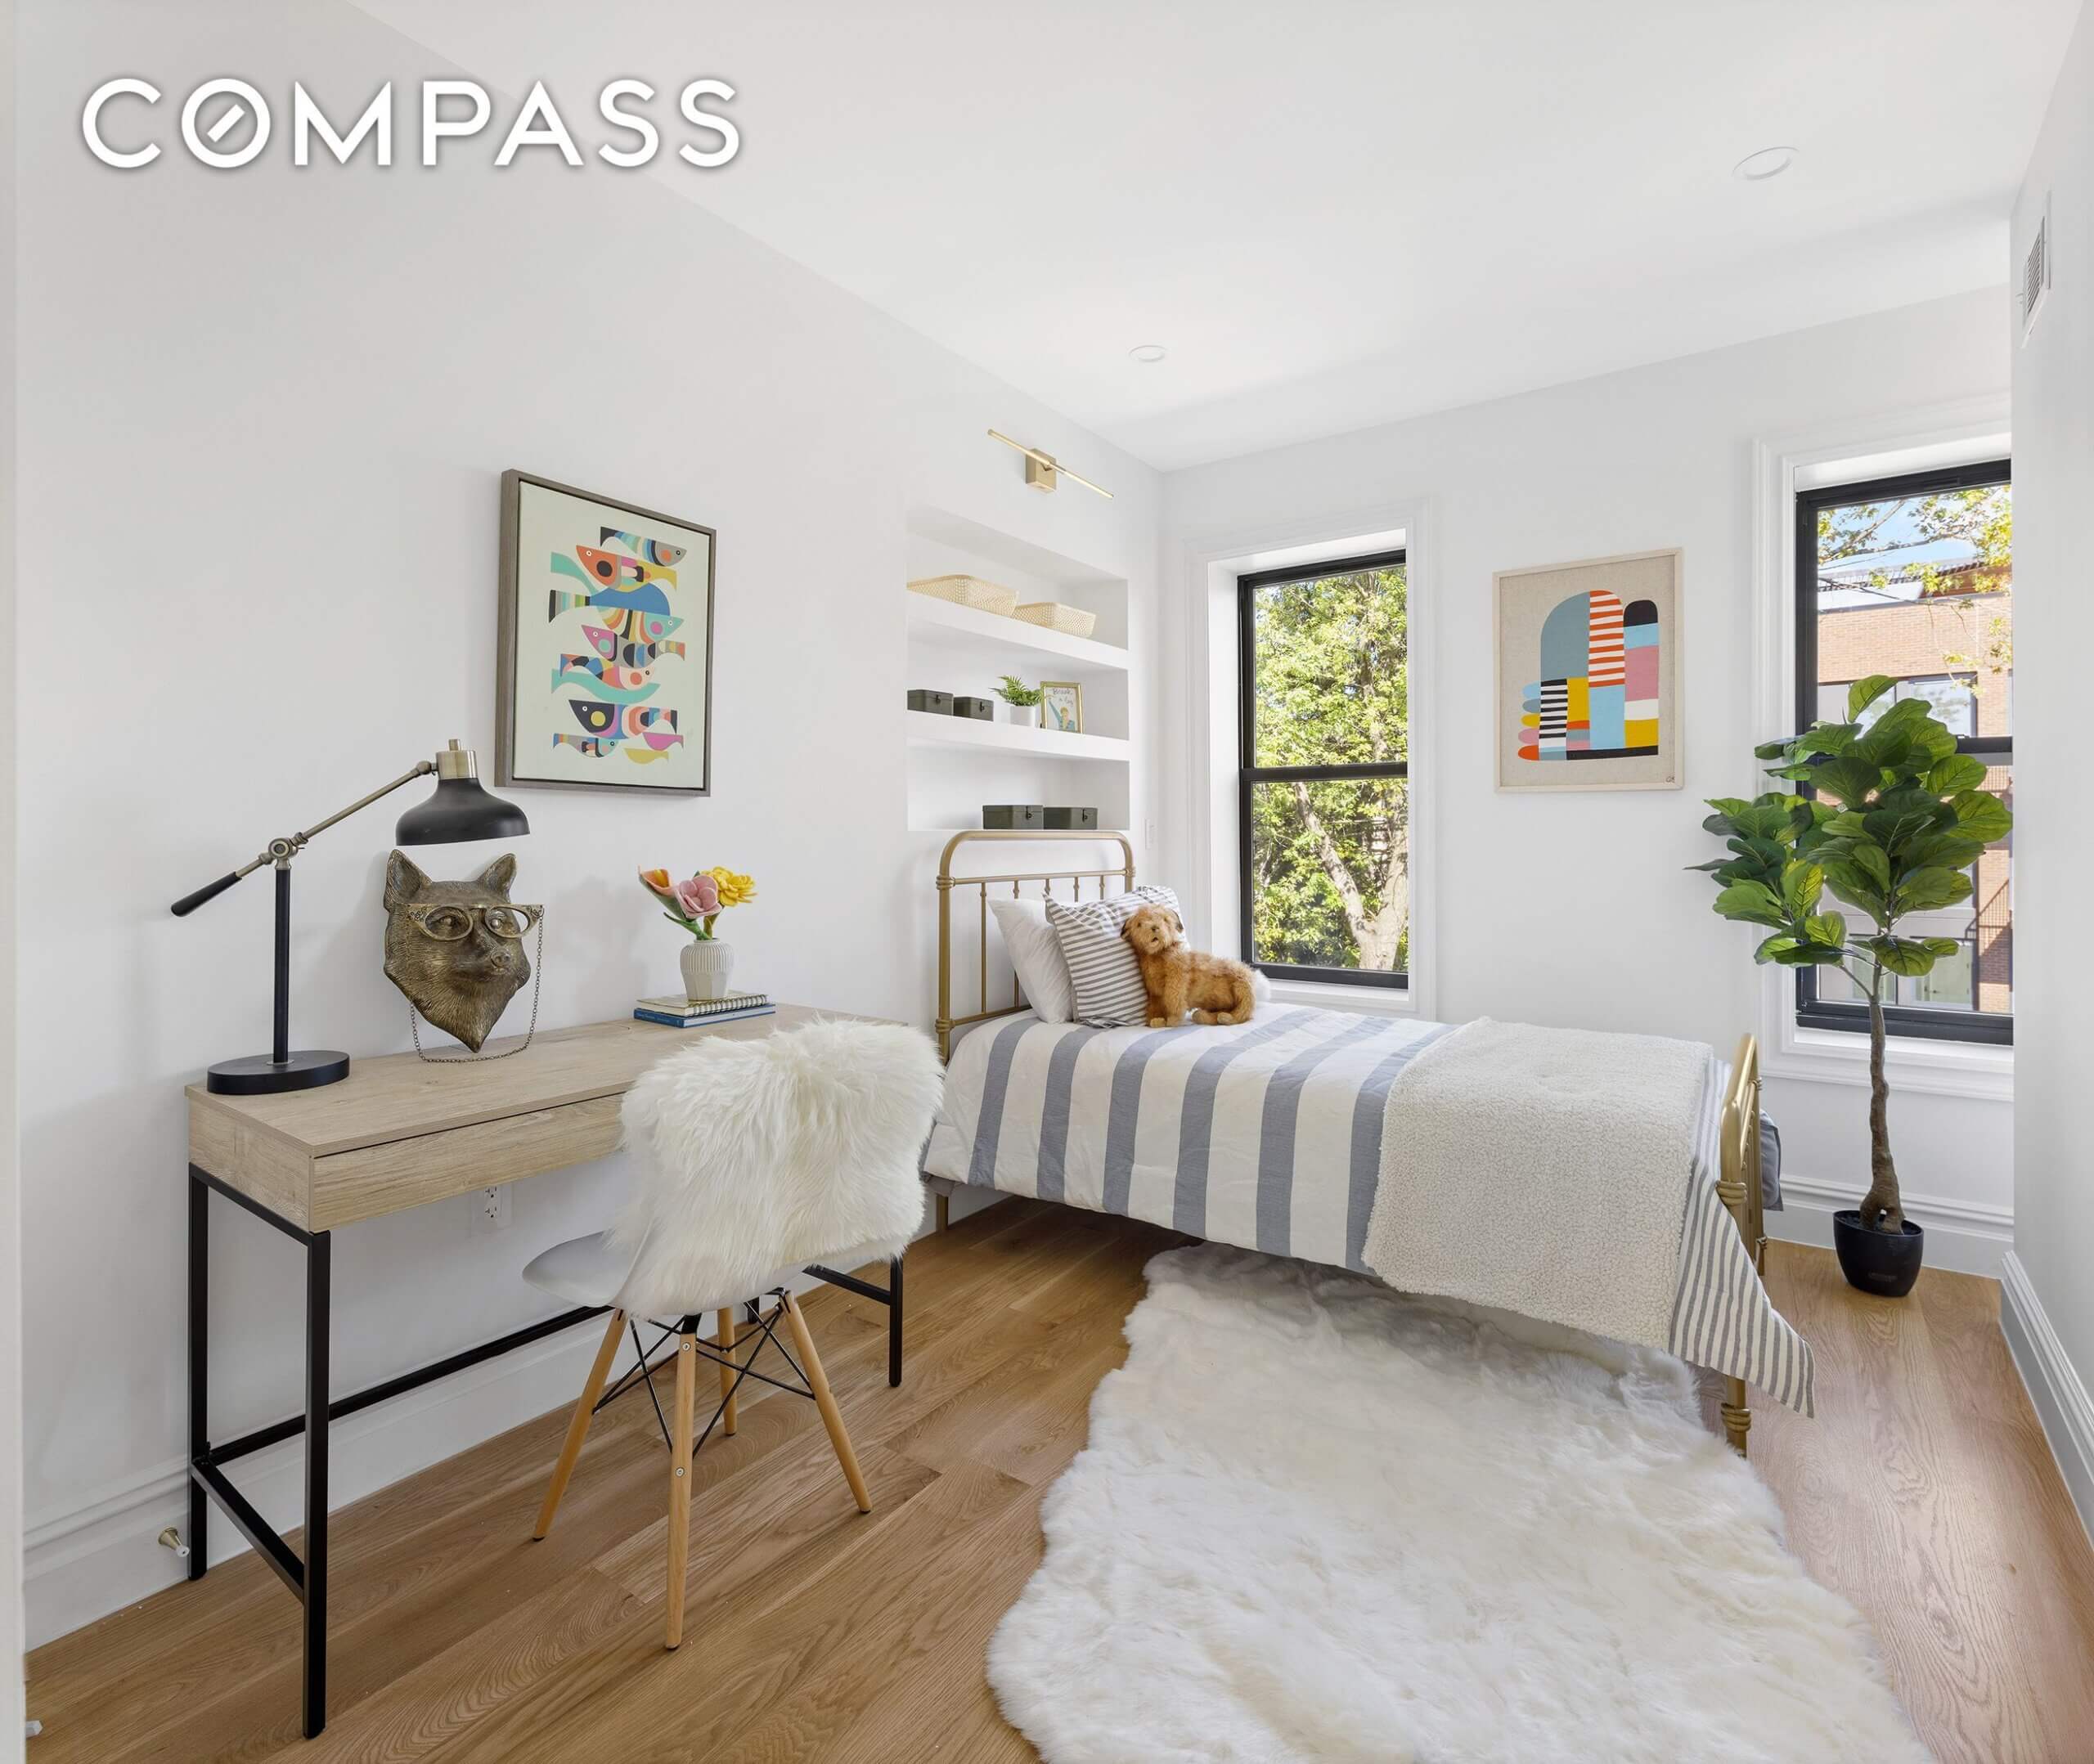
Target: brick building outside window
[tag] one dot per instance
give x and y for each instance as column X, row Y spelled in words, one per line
column 1912, row 578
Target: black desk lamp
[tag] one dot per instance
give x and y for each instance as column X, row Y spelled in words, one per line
column 459, row 810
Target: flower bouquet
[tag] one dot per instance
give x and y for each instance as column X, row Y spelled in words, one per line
column 696, row 904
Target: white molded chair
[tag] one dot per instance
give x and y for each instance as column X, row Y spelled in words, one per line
column 754, row 1158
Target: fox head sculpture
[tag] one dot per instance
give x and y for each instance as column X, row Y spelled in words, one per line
column 456, row 948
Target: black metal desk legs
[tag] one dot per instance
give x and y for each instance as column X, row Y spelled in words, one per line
column 319, row 1279
column 198, row 1538
column 889, row 1296
column 307, row 1577
column 894, row 1322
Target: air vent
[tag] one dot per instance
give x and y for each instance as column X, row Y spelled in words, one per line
column 2036, row 271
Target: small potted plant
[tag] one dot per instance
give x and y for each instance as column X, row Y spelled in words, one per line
column 696, row 904
column 1020, row 702
column 1896, row 819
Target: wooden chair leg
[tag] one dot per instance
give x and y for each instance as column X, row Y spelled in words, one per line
column 726, row 1343
column 680, row 1430
column 832, row 1417
column 577, row 1428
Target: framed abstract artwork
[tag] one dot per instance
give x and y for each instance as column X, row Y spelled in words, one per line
column 604, row 679
column 1588, row 680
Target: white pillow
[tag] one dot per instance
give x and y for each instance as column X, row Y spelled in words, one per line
column 1035, row 953
column 1102, row 969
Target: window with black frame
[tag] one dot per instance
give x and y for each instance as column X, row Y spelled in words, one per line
column 1913, row 577
column 1324, row 792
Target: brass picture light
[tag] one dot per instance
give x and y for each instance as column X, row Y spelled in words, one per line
column 1043, row 471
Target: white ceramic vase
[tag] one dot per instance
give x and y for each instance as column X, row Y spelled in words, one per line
column 1023, row 715
column 707, row 963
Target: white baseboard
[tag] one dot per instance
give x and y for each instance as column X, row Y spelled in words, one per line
column 2057, row 1391
column 102, row 1555
column 1962, row 1237
column 966, row 1202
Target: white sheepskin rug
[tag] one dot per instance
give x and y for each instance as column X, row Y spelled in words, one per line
column 1319, row 1520
column 753, row 1157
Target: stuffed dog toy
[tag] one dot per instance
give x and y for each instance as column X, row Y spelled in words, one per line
column 1215, row 989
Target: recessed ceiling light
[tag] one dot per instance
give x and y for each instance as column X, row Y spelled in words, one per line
column 1148, row 351
column 1769, row 161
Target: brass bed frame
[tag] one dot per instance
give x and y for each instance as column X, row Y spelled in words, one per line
column 1738, row 1183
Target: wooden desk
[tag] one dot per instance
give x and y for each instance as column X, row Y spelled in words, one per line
column 400, row 1132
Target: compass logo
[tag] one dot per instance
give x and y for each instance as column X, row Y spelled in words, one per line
column 227, row 123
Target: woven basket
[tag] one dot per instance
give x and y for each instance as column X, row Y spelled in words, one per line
column 967, row 590
column 1071, row 621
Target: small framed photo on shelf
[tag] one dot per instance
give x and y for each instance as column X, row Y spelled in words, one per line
column 1061, row 707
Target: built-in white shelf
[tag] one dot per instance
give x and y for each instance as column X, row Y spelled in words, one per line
column 942, row 626
column 926, row 729
column 942, row 830
column 955, row 764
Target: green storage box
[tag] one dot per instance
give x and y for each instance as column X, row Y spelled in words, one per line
column 1013, row 817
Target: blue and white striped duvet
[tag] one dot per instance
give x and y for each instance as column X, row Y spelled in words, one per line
column 1268, row 1136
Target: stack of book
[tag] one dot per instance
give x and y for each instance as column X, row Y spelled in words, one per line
column 688, row 1013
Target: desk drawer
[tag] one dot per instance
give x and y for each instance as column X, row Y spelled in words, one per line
column 350, row 1186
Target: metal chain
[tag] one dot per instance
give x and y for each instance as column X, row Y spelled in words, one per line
column 537, row 983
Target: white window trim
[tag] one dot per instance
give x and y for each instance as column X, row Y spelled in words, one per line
column 1211, row 562
column 1948, row 434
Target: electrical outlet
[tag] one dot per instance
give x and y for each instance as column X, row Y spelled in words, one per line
column 490, row 1210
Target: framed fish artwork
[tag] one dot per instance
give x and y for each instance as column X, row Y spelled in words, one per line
column 604, row 679
column 1589, row 693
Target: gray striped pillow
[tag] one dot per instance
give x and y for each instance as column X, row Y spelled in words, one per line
column 1107, row 978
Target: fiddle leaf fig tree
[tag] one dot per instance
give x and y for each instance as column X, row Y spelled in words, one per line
column 1895, row 819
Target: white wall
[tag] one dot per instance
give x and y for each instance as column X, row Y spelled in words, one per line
column 263, row 417
column 10, row 1264
column 2049, row 1309
column 1576, row 909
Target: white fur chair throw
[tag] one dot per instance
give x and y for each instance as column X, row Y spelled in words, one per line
column 760, row 1156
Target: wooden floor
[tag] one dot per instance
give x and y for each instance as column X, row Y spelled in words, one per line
column 1925, row 1492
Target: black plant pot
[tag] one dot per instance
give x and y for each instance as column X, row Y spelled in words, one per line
column 1881, row 1262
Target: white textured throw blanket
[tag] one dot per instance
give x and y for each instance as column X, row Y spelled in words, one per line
column 1543, row 1171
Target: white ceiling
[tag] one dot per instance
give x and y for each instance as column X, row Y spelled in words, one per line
column 1333, row 213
